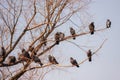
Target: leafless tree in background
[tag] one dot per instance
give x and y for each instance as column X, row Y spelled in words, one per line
column 32, row 25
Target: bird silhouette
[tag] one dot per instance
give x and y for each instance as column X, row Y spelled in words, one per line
column 24, row 56
column 73, row 62
column 72, row 31
column 25, row 53
column 37, row 60
column 89, row 55
column 52, row 59
column 57, row 37
column 108, row 23
column 92, row 28
column 11, row 59
column 2, row 52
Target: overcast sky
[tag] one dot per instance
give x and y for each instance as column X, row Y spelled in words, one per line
column 106, row 64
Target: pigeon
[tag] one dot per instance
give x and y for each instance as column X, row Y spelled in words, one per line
column 57, row 37
column 91, row 28
column 25, row 54
column 72, row 31
column 89, row 55
column 2, row 52
column 37, row 60
column 52, row 59
column 11, row 59
column 62, row 35
column 108, row 23
column 73, row 62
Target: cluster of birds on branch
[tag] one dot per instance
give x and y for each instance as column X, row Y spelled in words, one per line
column 60, row 36
column 25, row 56
column 92, row 26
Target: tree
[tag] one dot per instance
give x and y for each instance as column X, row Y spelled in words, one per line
column 31, row 26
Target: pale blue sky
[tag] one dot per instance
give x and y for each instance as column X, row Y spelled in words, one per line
column 105, row 65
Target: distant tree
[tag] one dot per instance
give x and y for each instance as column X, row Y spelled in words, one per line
column 29, row 29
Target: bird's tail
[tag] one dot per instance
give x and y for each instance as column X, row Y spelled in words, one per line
column 92, row 32
column 57, row 42
column 74, row 38
column 90, row 59
column 41, row 64
column 55, row 62
column 77, row 65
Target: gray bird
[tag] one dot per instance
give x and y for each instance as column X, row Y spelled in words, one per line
column 57, row 37
column 92, row 28
column 52, row 59
column 108, row 23
column 89, row 55
column 11, row 59
column 73, row 62
column 72, row 31
column 62, row 35
column 2, row 52
column 37, row 60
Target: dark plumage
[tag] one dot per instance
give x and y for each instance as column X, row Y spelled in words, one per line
column 108, row 23
column 25, row 53
column 24, row 56
column 57, row 37
column 73, row 62
column 72, row 31
column 92, row 28
column 89, row 55
column 52, row 59
column 2, row 51
column 11, row 59
column 37, row 60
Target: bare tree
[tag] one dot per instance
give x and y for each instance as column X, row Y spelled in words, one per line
column 30, row 30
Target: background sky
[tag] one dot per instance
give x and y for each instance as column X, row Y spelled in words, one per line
column 106, row 64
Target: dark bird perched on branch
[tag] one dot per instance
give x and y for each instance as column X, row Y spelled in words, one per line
column 52, row 59
column 89, row 55
column 37, row 60
column 57, row 37
column 11, row 59
column 73, row 62
column 108, row 23
column 62, row 35
column 72, row 31
column 92, row 28
column 24, row 56
column 2, row 52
